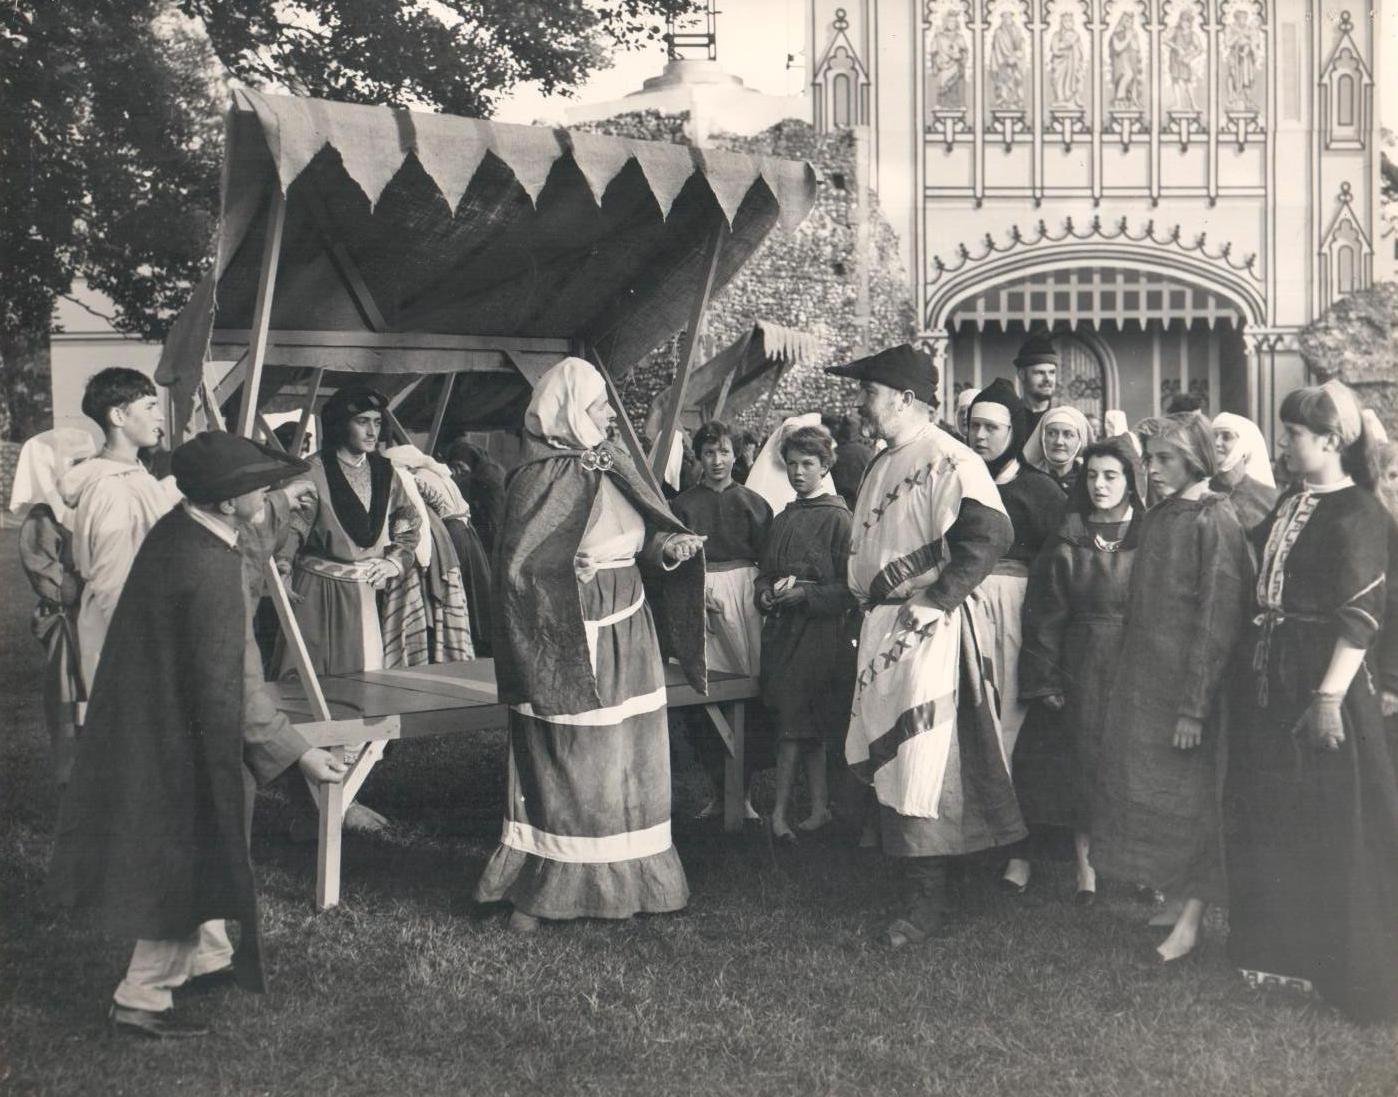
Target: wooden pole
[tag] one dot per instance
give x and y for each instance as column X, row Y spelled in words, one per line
column 661, row 453
column 628, row 432
column 440, row 416
column 306, row 411
column 262, row 314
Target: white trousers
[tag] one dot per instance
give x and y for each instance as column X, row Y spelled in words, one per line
column 158, row 967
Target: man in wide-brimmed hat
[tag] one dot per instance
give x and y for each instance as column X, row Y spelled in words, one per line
column 154, row 830
column 928, row 527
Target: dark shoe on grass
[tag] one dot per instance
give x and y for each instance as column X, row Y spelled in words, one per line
column 166, row 1025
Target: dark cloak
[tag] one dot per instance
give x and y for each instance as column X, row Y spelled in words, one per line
column 540, row 643
column 153, row 834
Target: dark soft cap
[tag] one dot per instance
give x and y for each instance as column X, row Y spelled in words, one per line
column 216, row 465
column 903, row 367
column 350, row 401
column 1037, row 350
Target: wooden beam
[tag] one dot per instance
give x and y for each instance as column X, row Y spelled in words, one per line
column 306, row 411
column 713, row 248
column 213, row 418
column 281, row 602
column 268, row 433
column 440, row 415
column 392, row 360
column 229, row 382
column 628, row 432
column 407, row 340
column 345, row 265
column 262, row 313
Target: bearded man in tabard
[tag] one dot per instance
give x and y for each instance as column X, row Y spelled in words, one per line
column 924, row 729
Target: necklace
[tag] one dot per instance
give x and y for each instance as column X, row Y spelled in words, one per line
column 1104, row 545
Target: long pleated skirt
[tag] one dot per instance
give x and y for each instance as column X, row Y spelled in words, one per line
column 587, row 822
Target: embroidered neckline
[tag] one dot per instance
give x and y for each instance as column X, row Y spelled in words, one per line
column 1325, row 489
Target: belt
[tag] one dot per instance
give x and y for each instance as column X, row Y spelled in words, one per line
column 1267, row 621
column 727, row 565
column 335, row 569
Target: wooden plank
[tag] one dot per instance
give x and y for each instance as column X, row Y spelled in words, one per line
column 440, row 415
column 268, row 434
column 389, row 361
column 302, row 424
column 628, row 432
column 292, row 631
column 262, row 313
column 734, row 785
column 231, row 381
column 213, row 418
column 331, row 823
column 344, row 264
column 359, row 772
column 663, row 445
column 405, row 340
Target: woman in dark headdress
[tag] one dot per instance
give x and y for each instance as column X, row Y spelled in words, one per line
column 1311, row 798
column 587, row 550
column 1073, row 616
column 1155, row 815
column 358, row 602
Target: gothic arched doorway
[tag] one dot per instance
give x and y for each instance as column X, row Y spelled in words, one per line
column 1086, row 374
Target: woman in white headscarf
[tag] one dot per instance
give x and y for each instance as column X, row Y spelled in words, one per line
column 587, row 551
column 1244, row 468
column 1062, row 434
column 768, row 475
column 46, row 554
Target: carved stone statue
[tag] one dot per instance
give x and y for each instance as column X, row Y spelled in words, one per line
column 1185, row 45
column 947, row 65
column 1124, row 47
column 1066, row 64
column 1242, row 44
column 1007, row 63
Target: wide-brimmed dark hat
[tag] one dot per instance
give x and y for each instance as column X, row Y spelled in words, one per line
column 1037, row 350
column 904, row 368
column 216, row 465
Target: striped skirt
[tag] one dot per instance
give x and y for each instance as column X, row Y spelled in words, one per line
column 587, row 822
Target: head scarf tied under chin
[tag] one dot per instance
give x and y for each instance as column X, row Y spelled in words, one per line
column 557, row 413
column 1035, row 452
column 1249, row 451
column 1191, row 434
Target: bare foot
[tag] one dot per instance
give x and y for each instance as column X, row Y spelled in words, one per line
column 522, row 923
column 781, row 829
column 1178, row 945
column 1167, row 915
column 1017, row 874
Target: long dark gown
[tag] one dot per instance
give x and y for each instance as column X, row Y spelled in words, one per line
column 1155, row 807
column 1312, row 835
column 1073, row 619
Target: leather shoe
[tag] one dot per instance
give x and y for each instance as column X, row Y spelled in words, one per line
column 1085, row 898
column 210, row 980
column 166, row 1025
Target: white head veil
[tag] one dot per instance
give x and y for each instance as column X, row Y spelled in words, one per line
column 768, row 475
column 557, row 412
column 43, row 460
column 1065, row 413
column 1250, row 450
column 964, row 399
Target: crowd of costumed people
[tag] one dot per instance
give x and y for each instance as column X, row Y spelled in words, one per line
column 1018, row 634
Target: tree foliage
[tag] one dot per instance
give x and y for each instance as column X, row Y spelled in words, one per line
column 110, row 118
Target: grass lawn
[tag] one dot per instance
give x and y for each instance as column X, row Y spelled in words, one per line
column 773, row 982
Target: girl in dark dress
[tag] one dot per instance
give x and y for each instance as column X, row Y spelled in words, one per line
column 1311, row 798
column 1155, row 818
column 1078, row 587
column 807, row 658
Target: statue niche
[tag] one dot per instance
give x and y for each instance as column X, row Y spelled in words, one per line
column 948, row 67
column 1242, row 47
column 1184, row 47
column 1066, row 69
column 1125, row 78
column 1007, row 70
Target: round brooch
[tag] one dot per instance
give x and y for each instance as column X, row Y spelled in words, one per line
column 597, row 460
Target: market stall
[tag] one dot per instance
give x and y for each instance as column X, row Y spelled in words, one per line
column 450, row 262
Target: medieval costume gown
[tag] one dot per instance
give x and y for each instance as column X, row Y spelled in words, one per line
column 807, row 653
column 578, row 661
column 348, row 624
column 1245, row 475
column 1073, row 617
column 1312, row 835
column 928, row 528
column 1155, row 815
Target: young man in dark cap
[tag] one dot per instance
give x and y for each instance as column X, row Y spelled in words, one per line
column 154, row 831
column 928, row 528
column 1037, row 363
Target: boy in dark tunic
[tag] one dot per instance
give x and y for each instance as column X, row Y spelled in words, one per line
column 735, row 521
column 807, row 654
column 155, row 828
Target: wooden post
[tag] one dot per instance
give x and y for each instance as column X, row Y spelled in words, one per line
column 660, row 455
column 734, row 787
column 306, row 412
column 213, row 418
column 262, row 314
column 439, row 417
column 628, row 432
column 268, row 433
